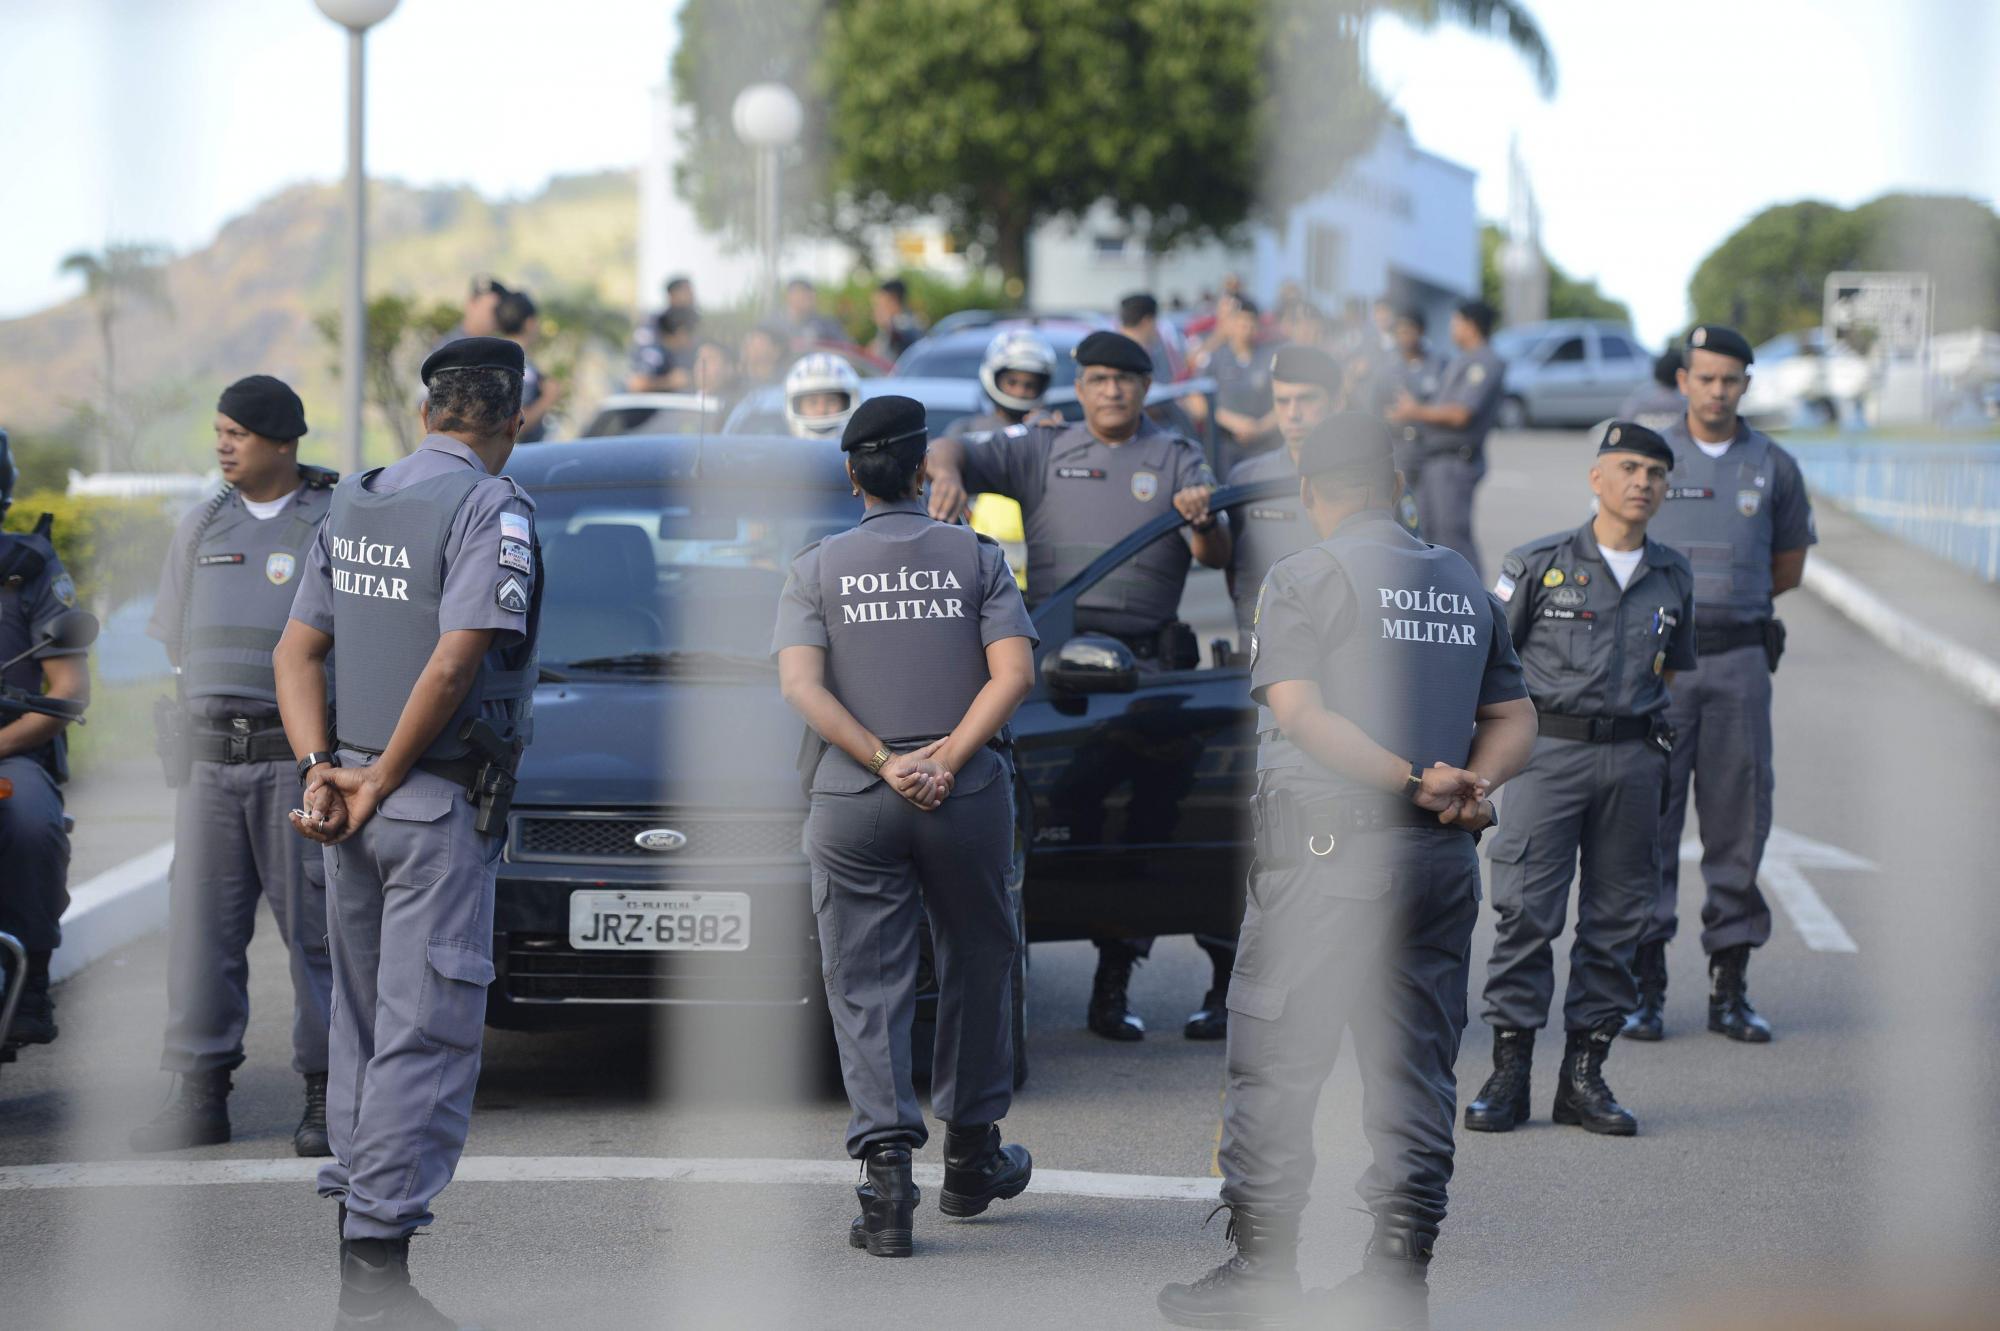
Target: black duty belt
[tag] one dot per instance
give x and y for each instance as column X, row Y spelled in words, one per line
column 1595, row 729
column 1287, row 829
column 1711, row 640
column 239, row 744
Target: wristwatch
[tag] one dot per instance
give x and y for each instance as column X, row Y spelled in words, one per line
column 1413, row 784
column 312, row 760
column 875, row 764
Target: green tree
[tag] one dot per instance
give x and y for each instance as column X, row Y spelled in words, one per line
column 1769, row 275
column 1569, row 297
column 122, row 275
column 1188, row 116
column 401, row 332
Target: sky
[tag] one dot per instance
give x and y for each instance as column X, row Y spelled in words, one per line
column 1671, row 125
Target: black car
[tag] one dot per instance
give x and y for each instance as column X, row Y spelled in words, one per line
column 654, row 856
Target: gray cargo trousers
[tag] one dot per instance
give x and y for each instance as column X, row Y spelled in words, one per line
column 879, row 865
column 410, row 898
column 1375, row 938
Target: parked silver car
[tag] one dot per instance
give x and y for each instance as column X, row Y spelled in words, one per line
column 1568, row 371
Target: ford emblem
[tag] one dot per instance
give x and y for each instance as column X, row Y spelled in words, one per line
column 661, row 838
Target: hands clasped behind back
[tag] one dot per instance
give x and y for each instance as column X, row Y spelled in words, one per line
column 918, row 777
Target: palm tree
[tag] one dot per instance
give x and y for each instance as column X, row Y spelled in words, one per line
column 1507, row 19
column 124, row 273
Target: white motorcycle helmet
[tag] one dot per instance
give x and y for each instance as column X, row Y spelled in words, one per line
column 820, row 372
column 1022, row 349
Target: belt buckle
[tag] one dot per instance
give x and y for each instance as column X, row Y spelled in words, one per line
column 236, row 748
column 1600, row 729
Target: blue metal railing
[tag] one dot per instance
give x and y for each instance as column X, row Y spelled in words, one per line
column 1944, row 498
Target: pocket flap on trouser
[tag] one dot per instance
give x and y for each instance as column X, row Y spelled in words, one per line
column 405, row 807
column 1266, row 1002
column 457, row 962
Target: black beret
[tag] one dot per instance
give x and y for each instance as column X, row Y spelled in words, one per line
column 882, row 421
column 475, row 353
column 266, row 406
column 1306, row 365
column 1626, row 437
column 1723, row 341
column 1115, row 351
column 1345, row 439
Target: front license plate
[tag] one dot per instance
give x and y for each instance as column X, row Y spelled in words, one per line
column 659, row 921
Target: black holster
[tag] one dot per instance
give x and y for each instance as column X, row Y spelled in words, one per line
column 1274, row 822
column 1662, row 734
column 170, row 741
column 1774, row 643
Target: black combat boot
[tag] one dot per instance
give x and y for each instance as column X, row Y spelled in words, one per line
column 1648, row 1021
column 309, row 1138
column 1257, row 1287
column 888, row 1201
column 35, row 1017
column 1391, row 1291
column 197, row 1115
column 1210, row 1021
column 979, row 1171
column 1502, row 1103
column 1109, row 1016
column 1729, row 1010
column 1582, row 1098
column 376, row 1293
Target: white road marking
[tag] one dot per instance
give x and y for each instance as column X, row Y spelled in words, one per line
column 581, row 1169
column 1972, row 671
column 1786, row 855
column 120, row 905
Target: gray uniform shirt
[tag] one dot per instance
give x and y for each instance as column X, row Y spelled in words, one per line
column 1471, row 379
column 1588, row 647
column 1266, row 530
column 1729, row 515
column 1079, row 496
column 802, row 616
column 489, row 564
column 1424, row 610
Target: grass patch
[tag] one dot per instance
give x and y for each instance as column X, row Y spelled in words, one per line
column 119, row 724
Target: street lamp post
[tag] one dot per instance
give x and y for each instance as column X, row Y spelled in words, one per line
column 767, row 117
column 357, row 16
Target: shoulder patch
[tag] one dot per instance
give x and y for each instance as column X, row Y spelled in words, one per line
column 511, row 596
column 64, row 589
column 1014, row 432
column 514, row 527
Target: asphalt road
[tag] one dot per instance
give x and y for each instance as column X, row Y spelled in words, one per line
column 1849, row 1162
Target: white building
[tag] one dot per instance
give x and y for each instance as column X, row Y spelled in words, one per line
column 1400, row 222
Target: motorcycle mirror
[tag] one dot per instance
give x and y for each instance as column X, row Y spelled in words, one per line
column 70, row 630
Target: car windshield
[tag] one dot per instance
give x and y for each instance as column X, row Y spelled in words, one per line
column 956, row 359
column 654, row 579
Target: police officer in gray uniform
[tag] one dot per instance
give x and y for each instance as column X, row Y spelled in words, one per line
column 1602, row 618
column 1658, row 405
column 431, row 563
column 1737, row 508
column 1305, row 382
column 34, row 846
column 1399, row 707
column 906, row 647
column 1081, row 488
column 225, row 594
column 1452, row 450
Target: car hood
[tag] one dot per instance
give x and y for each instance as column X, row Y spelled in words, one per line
column 638, row 742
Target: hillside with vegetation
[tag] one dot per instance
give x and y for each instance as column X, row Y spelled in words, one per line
column 247, row 303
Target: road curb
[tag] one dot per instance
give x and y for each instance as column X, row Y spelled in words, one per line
column 122, row 904
column 1969, row 670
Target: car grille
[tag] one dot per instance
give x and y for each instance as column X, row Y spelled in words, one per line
column 711, row 838
column 544, row 969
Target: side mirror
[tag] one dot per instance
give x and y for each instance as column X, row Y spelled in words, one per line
column 70, row 630
column 1092, row 664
